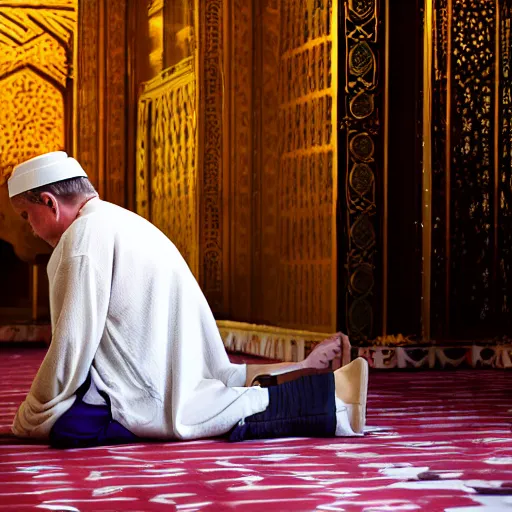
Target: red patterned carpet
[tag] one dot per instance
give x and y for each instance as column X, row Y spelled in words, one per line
column 435, row 441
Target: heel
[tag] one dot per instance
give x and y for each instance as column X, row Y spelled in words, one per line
column 351, row 383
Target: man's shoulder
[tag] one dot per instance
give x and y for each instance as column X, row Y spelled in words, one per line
column 115, row 216
column 89, row 232
column 105, row 225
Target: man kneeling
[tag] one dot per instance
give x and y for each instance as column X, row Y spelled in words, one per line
column 135, row 349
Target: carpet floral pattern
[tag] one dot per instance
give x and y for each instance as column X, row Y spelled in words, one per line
column 436, row 441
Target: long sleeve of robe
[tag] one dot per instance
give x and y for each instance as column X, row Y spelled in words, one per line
column 127, row 310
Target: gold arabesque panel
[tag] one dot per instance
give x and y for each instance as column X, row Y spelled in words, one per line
column 166, row 162
column 36, row 62
column 32, row 120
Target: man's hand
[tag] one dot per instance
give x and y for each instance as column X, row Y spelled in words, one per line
column 330, row 353
column 329, row 350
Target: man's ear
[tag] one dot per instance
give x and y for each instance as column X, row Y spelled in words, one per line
column 49, row 200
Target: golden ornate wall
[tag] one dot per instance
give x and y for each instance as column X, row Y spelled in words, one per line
column 269, row 186
column 266, row 159
column 36, row 92
column 103, row 98
column 63, row 85
column 166, row 157
column 307, row 184
column 57, row 97
column 36, row 67
column 264, row 182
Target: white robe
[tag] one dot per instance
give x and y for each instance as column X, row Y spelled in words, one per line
column 126, row 309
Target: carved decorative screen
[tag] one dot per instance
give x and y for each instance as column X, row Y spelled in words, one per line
column 166, row 157
column 361, row 136
column 36, row 62
column 214, row 267
column 472, row 171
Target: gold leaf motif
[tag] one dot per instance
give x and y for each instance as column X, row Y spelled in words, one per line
column 361, row 105
column 361, row 178
column 362, row 147
column 363, row 233
column 361, row 317
column 361, row 59
column 32, row 119
column 361, row 281
column 19, row 25
column 362, row 8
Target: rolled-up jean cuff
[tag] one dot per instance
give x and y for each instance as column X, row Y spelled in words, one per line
column 304, row 407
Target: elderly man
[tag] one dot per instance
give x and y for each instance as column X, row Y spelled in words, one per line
column 136, row 352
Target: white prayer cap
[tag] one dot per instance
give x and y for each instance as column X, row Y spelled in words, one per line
column 43, row 170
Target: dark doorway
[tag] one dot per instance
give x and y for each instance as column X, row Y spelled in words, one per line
column 15, row 281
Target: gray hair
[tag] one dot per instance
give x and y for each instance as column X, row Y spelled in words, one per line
column 66, row 190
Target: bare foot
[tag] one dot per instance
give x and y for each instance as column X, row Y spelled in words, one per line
column 330, row 353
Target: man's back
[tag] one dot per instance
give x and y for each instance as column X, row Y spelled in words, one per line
column 137, row 266
column 127, row 310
